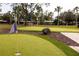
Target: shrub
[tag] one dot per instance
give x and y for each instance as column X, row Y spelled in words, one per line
column 46, row 31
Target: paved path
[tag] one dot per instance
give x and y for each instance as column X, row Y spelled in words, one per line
column 74, row 37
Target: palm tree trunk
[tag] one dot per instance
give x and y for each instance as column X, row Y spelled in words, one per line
column 58, row 21
column 67, row 24
column 76, row 20
column 58, row 18
column 10, row 21
column 18, row 22
column 25, row 23
column 37, row 21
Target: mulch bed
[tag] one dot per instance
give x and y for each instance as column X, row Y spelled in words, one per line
column 62, row 38
column 4, row 31
column 58, row 36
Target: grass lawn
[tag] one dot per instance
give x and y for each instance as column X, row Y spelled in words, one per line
column 40, row 27
column 67, row 50
column 5, row 26
column 52, row 28
column 30, row 45
column 27, row 45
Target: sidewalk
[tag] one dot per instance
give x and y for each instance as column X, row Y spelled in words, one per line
column 74, row 37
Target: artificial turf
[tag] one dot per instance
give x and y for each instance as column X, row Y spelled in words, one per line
column 65, row 48
column 28, row 45
column 35, row 45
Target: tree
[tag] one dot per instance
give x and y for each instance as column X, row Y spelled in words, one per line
column 24, row 12
column 58, row 9
column 20, row 10
column 76, row 9
column 10, row 16
column 50, row 14
column 38, row 12
column 15, row 11
column 6, row 17
column 28, row 11
column 67, row 17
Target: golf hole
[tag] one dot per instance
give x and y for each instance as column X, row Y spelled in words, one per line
column 18, row 54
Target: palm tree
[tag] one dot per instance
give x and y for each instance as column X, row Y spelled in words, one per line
column 76, row 9
column 58, row 9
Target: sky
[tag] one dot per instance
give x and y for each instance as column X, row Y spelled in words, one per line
column 65, row 4
column 5, row 8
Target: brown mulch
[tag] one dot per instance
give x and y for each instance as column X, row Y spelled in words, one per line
column 58, row 36
column 4, row 31
column 62, row 38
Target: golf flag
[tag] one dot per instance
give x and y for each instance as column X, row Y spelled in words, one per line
column 13, row 28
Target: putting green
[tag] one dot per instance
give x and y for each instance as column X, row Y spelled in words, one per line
column 27, row 45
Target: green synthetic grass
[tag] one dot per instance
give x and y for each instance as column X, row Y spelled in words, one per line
column 28, row 45
column 52, row 28
column 67, row 50
column 35, row 45
column 31, row 45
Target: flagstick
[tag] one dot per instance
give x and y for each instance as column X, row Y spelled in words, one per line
column 18, row 53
